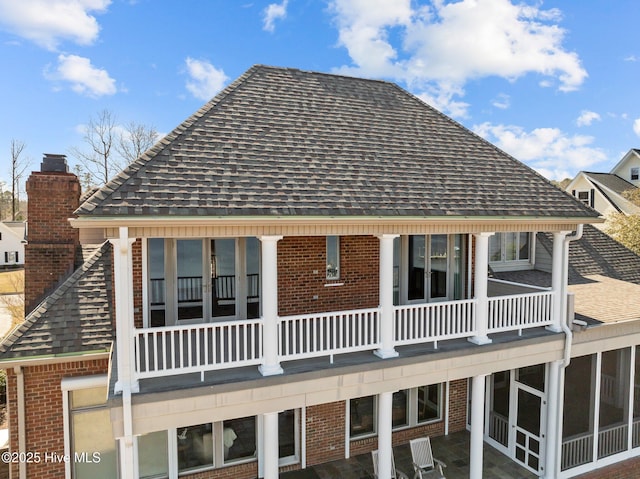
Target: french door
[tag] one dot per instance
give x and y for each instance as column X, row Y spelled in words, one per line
column 426, row 268
column 202, row 280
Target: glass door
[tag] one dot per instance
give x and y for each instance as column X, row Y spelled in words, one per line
column 189, row 284
column 528, row 429
column 427, row 268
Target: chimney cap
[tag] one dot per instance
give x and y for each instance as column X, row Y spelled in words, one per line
column 54, row 163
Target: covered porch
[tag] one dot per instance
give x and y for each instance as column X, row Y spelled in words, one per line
column 453, row 450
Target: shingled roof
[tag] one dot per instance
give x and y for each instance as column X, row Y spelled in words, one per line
column 286, row 142
column 75, row 318
column 611, row 181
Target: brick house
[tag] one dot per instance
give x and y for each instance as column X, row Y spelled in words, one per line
column 299, row 273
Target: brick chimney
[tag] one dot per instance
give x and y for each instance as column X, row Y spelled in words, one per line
column 53, row 195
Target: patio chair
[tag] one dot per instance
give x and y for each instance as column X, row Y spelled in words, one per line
column 395, row 473
column 424, row 464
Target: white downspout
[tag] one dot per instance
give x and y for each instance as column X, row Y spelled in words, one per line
column 559, row 408
column 565, row 280
column 22, row 430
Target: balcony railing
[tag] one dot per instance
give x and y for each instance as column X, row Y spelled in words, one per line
column 223, row 345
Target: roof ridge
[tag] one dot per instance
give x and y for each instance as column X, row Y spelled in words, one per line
column 117, row 181
column 31, row 319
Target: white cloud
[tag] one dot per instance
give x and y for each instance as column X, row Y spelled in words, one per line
column 636, row 126
column 550, row 151
column 631, row 58
column 446, row 44
column 205, row 79
column 502, row 101
column 587, row 117
column 85, row 79
column 272, row 13
column 48, row 22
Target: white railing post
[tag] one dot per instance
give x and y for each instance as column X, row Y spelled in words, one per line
column 480, row 288
column 386, row 298
column 557, row 277
column 269, row 250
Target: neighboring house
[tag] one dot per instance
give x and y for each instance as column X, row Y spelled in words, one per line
column 298, row 273
column 604, row 191
column 12, row 241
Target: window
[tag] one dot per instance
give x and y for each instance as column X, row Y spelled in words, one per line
column 510, row 249
column 333, row 257
column 635, row 173
column 585, row 197
column 213, row 445
column 410, row 407
column 197, row 280
column 90, row 445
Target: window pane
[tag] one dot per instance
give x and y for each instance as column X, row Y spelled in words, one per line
column 93, row 445
column 439, row 265
column 81, row 398
column 253, row 278
column 152, row 455
column 189, row 269
column 495, row 247
column 614, row 400
column 416, row 267
column 523, row 253
column 510, row 246
column 362, row 412
column 429, row 401
column 457, row 267
column 399, row 410
column 195, row 447
column 239, row 438
column 333, row 257
column 287, row 433
column 157, row 284
column 532, row 376
column 223, row 271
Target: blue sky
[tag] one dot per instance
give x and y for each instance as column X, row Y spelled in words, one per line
column 554, row 83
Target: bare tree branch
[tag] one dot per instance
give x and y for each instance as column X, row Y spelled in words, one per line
column 19, row 165
column 99, row 137
column 135, row 140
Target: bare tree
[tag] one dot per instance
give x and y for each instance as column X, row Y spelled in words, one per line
column 19, row 165
column 100, row 137
column 110, row 147
column 135, row 140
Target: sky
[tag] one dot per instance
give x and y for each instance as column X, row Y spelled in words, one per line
column 553, row 83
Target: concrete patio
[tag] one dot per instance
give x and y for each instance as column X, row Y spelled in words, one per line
column 453, row 450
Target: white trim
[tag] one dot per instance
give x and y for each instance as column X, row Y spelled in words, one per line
column 74, row 384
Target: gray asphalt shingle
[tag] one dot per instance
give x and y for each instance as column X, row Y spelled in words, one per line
column 285, row 142
column 75, row 318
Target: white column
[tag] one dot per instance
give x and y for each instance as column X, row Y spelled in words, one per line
column 270, row 444
column 480, row 288
column 477, row 426
column 553, row 416
column 126, row 384
column 386, row 297
column 557, row 266
column 385, row 406
column 269, row 281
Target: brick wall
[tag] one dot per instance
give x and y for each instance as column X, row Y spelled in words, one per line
column 51, row 250
column 302, row 275
column 43, row 411
column 325, row 432
column 136, row 253
column 629, row 469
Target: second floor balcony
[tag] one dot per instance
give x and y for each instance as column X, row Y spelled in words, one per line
column 219, row 304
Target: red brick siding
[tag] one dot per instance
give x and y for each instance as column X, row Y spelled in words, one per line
column 325, row 432
column 43, row 411
column 136, row 253
column 302, row 275
column 629, row 469
column 457, row 405
column 51, row 250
